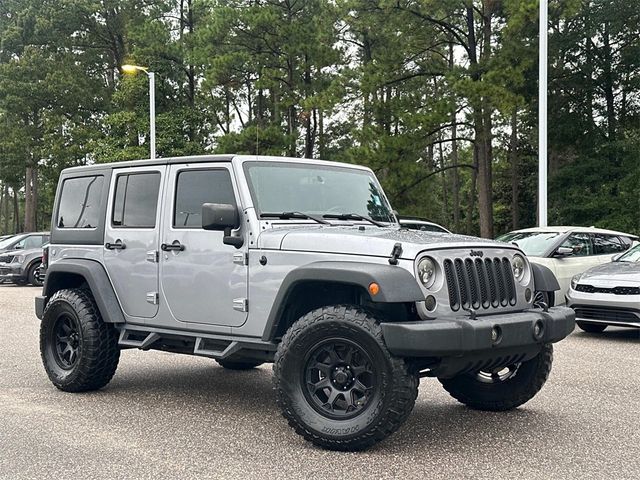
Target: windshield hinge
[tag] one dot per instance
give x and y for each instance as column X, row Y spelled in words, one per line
column 395, row 254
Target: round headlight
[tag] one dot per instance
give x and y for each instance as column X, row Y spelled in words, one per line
column 519, row 266
column 427, row 272
column 574, row 281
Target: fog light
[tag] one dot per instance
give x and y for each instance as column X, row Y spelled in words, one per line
column 496, row 334
column 430, row 302
column 538, row 330
column 527, row 295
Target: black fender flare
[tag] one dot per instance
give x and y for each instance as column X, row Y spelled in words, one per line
column 543, row 279
column 95, row 276
column 397, row 285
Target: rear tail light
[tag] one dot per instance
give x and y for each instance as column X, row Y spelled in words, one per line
column 45, row 257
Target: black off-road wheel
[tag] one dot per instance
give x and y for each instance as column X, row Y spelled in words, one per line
column 239, row 365
column 337, row 384
column 79, row 351
column 33, row 277
column 592, row 327
column 504, row 388
column 541, row 298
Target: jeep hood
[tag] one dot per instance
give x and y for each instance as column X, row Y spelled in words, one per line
column 365, row 240
column 614, row 274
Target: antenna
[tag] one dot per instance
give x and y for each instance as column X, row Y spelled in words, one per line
column 257, row 130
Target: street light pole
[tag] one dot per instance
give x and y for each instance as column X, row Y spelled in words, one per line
column 542, row 117
column 132, row 69
column 152, row 113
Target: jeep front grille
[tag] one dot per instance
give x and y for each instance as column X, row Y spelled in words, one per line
column 479, row 283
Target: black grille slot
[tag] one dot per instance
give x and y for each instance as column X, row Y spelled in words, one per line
column 614, row 290
column 452, row 283
column 479, row 284
column 606, row 314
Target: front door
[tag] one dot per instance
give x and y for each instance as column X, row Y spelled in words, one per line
column 131, row 238
column 203, row 280
column 582, row 259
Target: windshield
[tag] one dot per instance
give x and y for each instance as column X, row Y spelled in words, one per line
column 632, row 255
column 316, row 189
column 8, row 241
column 534, row 244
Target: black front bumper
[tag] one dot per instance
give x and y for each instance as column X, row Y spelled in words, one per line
column 487, row 336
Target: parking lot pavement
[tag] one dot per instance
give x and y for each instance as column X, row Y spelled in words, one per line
column 172, row 416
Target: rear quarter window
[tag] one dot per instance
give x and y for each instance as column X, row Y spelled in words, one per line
column 79, row 205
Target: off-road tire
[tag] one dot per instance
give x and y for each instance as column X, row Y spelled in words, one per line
column 549, row 298
column 239, row 365
column 383, row 412
column 97, row 352
column 32, row 275
column 508, row 394
column 591, row 327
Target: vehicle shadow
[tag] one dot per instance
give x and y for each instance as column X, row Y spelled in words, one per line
column 433, row 425
column 612, row 333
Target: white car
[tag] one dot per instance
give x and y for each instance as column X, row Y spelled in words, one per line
column 419, row 224
column 568, row 251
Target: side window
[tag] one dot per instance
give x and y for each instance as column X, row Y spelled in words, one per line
column 136, row 200
column 607, row 244
column 80, row 202
column 626, row 242
column 20, row 245
column 580, row 243
column 33, row 241
column 195, row 187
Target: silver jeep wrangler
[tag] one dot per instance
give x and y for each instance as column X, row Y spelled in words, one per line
column 302, row 263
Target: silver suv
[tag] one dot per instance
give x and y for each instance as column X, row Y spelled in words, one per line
column 302, row 263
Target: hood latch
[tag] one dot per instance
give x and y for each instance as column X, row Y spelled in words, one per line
column 395, row 254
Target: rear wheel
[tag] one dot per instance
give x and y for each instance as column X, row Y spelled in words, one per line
column 503, row 388
column 79, row 351
column 239, row 365
column 592, row 327
column 336, row 382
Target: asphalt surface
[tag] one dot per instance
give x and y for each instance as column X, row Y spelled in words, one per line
column 173, row 416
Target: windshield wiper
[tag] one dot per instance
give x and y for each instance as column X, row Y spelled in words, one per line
column 290, row 215
column 352, row 216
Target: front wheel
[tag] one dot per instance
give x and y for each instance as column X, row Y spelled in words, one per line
column 504, row 388
column 336, row 382
column 591, row 327
column 540, row 299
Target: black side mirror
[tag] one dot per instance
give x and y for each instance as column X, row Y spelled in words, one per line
column 222, row 217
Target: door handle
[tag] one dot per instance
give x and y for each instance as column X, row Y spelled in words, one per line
column 117, row 245
column 176, row 246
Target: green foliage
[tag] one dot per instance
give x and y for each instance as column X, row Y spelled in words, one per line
column 379, row 83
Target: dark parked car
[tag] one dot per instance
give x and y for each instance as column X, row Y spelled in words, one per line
column 24, row 241
column 22, row 267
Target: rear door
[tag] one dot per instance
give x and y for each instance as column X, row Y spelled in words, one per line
column 203, row 280
column 131, row 238
column 606, row 246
